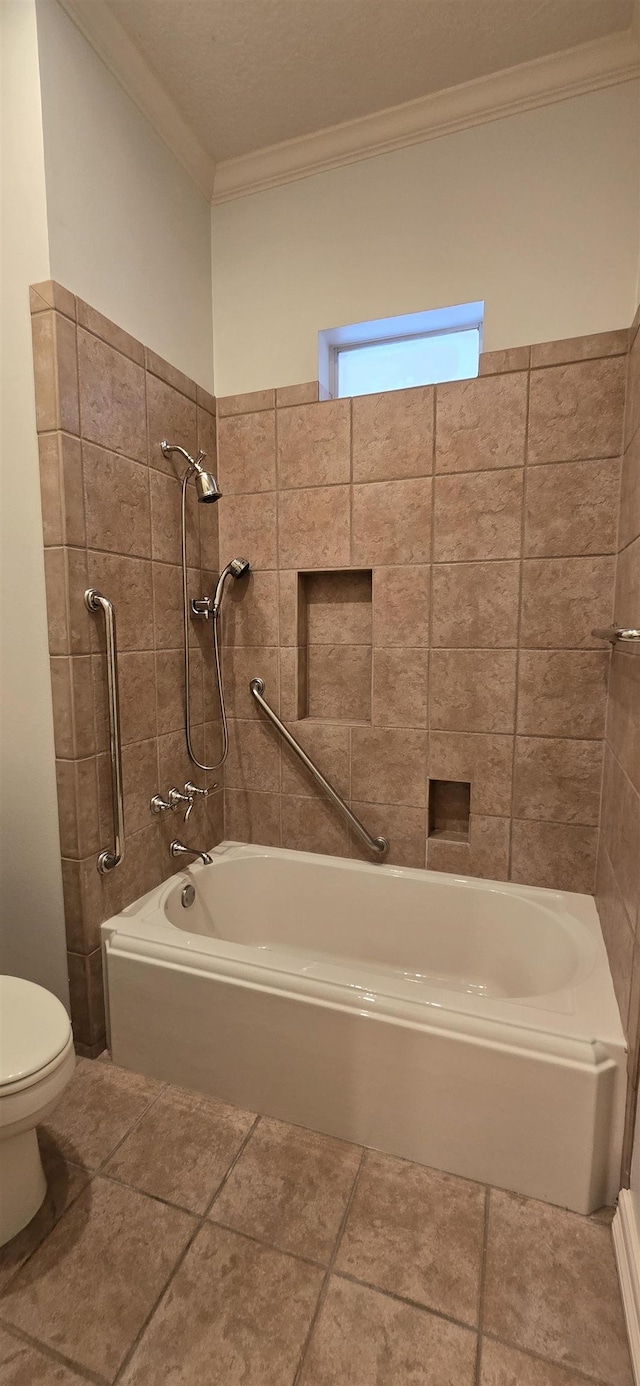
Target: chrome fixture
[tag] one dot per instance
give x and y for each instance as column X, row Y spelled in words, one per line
column 379, row 845
column 94, row 601
column 207, row 490
column 626, row 635
column 187, row 896
column 175, row 798
column 178, row 849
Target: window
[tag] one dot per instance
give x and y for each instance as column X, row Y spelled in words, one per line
column 395, row 353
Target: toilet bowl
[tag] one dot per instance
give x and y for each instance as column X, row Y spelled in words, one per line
column 37, row 1061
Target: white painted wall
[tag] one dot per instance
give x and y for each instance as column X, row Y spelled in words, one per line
column 129, row 231
column 537, row 213
column 32, row 941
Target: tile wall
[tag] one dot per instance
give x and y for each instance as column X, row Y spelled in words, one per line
column 483, row 514
column 111, row 519
column 618, row 879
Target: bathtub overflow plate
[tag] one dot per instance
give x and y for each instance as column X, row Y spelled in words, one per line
column 188, row 896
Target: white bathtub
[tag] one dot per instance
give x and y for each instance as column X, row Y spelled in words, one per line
column 469, row 1025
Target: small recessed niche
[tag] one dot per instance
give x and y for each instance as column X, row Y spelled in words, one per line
column 449, row 809
column 334, row 645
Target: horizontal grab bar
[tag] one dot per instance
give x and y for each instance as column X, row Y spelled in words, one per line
column 379, row 845
column 94, row 601
column 625, row 634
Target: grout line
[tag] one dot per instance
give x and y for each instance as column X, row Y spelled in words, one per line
column 199, row 1224
column 519, row 628
column 84, row 1373
column 482, row 1286
column 262, row 1241
column 325, row 1284
column 405, row 1299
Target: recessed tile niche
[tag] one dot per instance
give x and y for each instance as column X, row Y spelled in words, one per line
column 334, row 643
column 449, row 809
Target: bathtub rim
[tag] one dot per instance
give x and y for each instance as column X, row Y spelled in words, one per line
column 583, row 1033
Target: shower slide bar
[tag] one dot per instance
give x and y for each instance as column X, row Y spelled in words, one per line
column 94, row 601
column 626, row 635
column 378, row 845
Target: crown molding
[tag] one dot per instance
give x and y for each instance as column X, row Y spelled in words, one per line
column 126, row 63
column 589, row 67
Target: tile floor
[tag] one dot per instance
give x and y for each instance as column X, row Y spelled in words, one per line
column 185, row 1242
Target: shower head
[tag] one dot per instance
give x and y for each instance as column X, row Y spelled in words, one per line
column 237, row 569
column 207, row 489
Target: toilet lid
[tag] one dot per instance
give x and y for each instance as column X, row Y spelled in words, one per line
column 34, row 1029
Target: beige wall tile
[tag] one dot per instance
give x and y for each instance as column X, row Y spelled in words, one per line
column 571, row 508
column 314, row 528
column 498, row 362
column 137, row 681
column 61, row 489
column 388, row 766
column 314, row 442
column 166, row 673
column 55, row 583
column 580, row 348
column 50, row 490
column 254, row 757
column 562, row 692
column 337, row 608
column 252, row 817
column 116, row 494
column 60, row 666
column 309, row 393
column 166, row 501
column 56, row 372
column 478, row 517
column 245, row 404
column 292, row 611
column 401, row 601
column 627, row 595
column 112, row 398
column 557, row 779
column 77, row 783
column 393, row 434
column 50, row 294
column 242, row 664
column 575, row 411
column 481, row 423
column 247, row 452
column 621, row 833
column 86, row 996
column 475, row 604
column 632, row 411
column 109, row 332
column 403, row 827
column 171, row 416
column 563, row 599
column 339, row 682
column 157, row 366
column 486, row 854
column 206, row 426
column 247, row 529
column 127, row 583
column 400, row 687
column 392, row 522
column 250, row 612
column 560, row 856
column 83, row 904
column 472, row 690
column 167, row 605
column 630, row 494
column 623, row 712
column 293, row 683
column 313, row 825
column 328, row 745
column 617, row 933
column 485, row 761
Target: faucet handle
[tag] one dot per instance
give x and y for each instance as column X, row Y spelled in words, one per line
column 190, row 792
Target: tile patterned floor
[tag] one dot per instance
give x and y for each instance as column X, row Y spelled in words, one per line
column 185, row 1243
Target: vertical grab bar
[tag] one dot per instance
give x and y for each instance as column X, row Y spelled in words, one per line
column 94, row 601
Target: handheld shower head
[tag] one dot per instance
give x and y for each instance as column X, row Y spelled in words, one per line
column 207, row 489
column 236, row 569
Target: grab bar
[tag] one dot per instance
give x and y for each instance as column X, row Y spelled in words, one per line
column 94, row 601
column 379, row 845
column 627, row 635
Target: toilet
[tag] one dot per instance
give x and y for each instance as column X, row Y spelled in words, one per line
column 37, row 1061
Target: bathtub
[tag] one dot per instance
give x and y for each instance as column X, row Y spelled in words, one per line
column 469, row 1025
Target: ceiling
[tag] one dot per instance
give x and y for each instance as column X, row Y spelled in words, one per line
column 246, row 74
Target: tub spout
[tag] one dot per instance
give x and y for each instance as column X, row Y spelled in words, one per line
column 178, row 849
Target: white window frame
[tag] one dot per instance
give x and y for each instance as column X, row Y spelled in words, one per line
column 433, row 322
